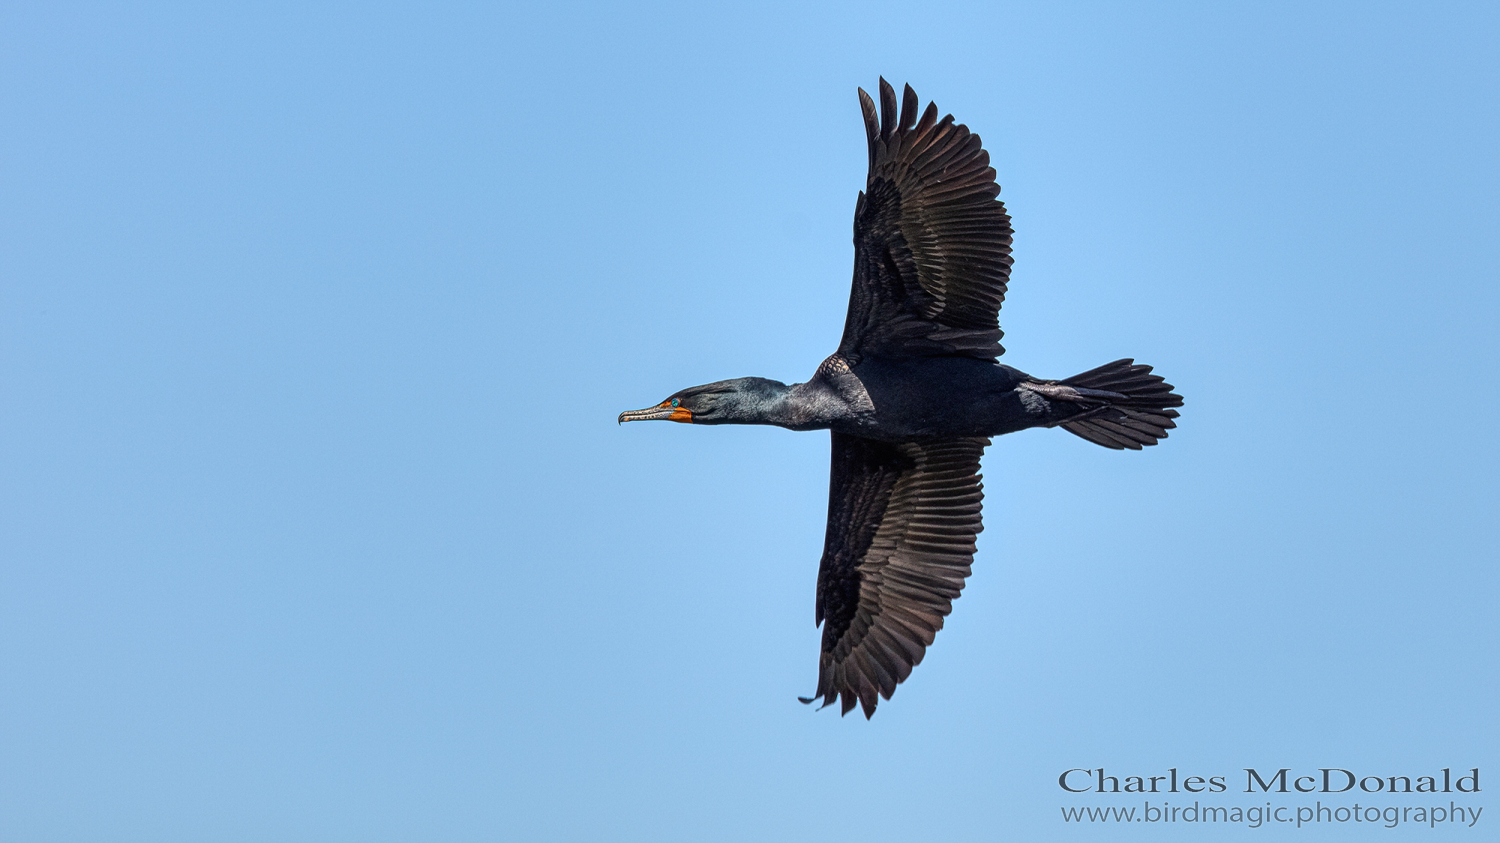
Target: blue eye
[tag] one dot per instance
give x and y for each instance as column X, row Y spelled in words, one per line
column 676, row 401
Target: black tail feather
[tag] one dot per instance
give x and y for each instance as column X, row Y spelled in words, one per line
column 1139, row 417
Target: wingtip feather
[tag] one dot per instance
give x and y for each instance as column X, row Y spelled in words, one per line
column 888, row 116
column 909, row 105
column 872, row 123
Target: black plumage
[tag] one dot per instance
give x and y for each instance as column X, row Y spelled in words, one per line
column 913, row 396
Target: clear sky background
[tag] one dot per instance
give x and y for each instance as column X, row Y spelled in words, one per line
column 316, row 524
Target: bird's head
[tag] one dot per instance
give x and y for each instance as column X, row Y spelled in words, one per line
column 738, row 401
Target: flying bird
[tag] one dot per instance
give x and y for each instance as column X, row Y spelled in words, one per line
column 912, row 397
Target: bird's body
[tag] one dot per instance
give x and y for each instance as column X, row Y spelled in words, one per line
column 892, row 399
column 934, row 398
column 913, row 395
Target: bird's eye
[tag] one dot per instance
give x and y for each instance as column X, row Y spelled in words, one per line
column 676, row 401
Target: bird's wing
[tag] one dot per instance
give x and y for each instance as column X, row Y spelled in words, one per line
column 931, row 241
column 901, row 525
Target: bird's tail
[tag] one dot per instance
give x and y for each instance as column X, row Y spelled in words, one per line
column 1123, row 406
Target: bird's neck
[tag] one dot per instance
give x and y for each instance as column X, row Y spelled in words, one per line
column 798, row 406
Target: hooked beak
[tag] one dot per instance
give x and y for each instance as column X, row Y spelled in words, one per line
column 664, row 410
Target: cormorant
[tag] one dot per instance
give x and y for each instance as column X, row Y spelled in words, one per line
column 912, row 397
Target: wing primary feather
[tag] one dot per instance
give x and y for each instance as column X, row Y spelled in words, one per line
column 872, row 125
column 909, row 105
column 929, row 119
column 887, row 110
column 847, row 703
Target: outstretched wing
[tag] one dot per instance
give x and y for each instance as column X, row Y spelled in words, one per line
column 931, row 241
column 901, row 525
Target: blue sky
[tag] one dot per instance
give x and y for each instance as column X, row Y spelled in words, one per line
column 315, row 522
